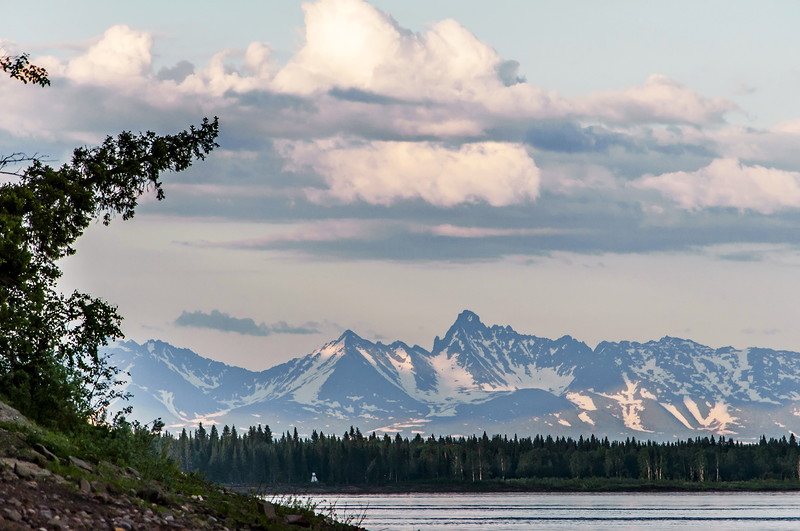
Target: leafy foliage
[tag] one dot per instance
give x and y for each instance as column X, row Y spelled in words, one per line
column 50, row 365
column 18, row 67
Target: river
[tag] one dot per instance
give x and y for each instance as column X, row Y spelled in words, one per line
column 541, row 511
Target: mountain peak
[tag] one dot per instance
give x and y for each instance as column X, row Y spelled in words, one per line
column 347, row 336
column 670, row 340
column 466, row 322
column 467, row 319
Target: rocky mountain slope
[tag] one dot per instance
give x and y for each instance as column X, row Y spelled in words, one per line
column 480, row 378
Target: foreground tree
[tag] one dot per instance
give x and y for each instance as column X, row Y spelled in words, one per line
column 18, row 67
column 50, row 362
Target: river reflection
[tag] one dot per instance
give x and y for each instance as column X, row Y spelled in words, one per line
column 518, row 511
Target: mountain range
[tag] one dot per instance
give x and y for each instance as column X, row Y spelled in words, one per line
column 479, row 378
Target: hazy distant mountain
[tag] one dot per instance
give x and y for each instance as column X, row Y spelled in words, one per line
column 479, row 378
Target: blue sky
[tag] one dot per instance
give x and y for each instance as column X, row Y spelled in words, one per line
column 615, row 170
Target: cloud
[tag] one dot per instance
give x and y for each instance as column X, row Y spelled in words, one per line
column 363, row 96
column 569, row 137
column 349, row 43
column 660, row 100
column 358, row 74
column 338, row 230
column 320, row 231
column 177, row 73
column 253, row 73
column 385, row 172
column 452, row 231
column 775, row 146
column 570, row 178
column 784, row 253
column 120, row 56
column 791, row 127
column 380, row 142
column 728, row 183
column 403, row 239
column 216, row 320
column 508, row 71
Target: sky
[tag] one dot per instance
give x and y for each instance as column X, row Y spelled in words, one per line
column 615, row 170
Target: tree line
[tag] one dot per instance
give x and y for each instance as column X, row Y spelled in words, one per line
column 259, row 457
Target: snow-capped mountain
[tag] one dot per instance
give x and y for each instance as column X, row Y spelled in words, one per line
column 479, row 378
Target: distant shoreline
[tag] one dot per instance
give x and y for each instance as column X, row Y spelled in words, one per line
column 531, row 486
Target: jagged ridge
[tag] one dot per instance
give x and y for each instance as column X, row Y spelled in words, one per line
column 478, row 378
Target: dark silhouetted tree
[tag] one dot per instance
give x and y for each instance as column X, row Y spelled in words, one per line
column 50, row 362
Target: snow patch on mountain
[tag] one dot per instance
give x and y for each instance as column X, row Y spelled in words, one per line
column 456, row 381
column 718, row 419
column 584, row 416
column 404, row 368
column 677, row 414
column 414, row 425
column 630, row 407
column 582, row 401
column 385, row 366
column 308, row 387
column 545, row 378
column 168, row 399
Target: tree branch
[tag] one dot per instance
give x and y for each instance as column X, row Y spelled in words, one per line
column 16, row 158
column 18, row 67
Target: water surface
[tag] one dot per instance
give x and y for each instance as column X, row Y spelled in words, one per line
column 519, row 511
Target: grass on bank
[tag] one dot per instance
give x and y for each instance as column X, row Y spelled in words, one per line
column 126, row 461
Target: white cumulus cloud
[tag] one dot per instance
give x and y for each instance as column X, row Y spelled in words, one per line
column 380, row 172
column 357, row 73
column 349, row 43
column 728, row 183
column 218, row 77
column 121, row 54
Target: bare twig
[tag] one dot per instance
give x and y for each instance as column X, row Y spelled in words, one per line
column 18, row 158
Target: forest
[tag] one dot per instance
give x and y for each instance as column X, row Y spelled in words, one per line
column 259, row 457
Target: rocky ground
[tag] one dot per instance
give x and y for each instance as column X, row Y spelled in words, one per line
column 39, row 490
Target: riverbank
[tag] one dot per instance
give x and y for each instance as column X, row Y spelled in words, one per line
column 529, row 485
column 53, row 480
